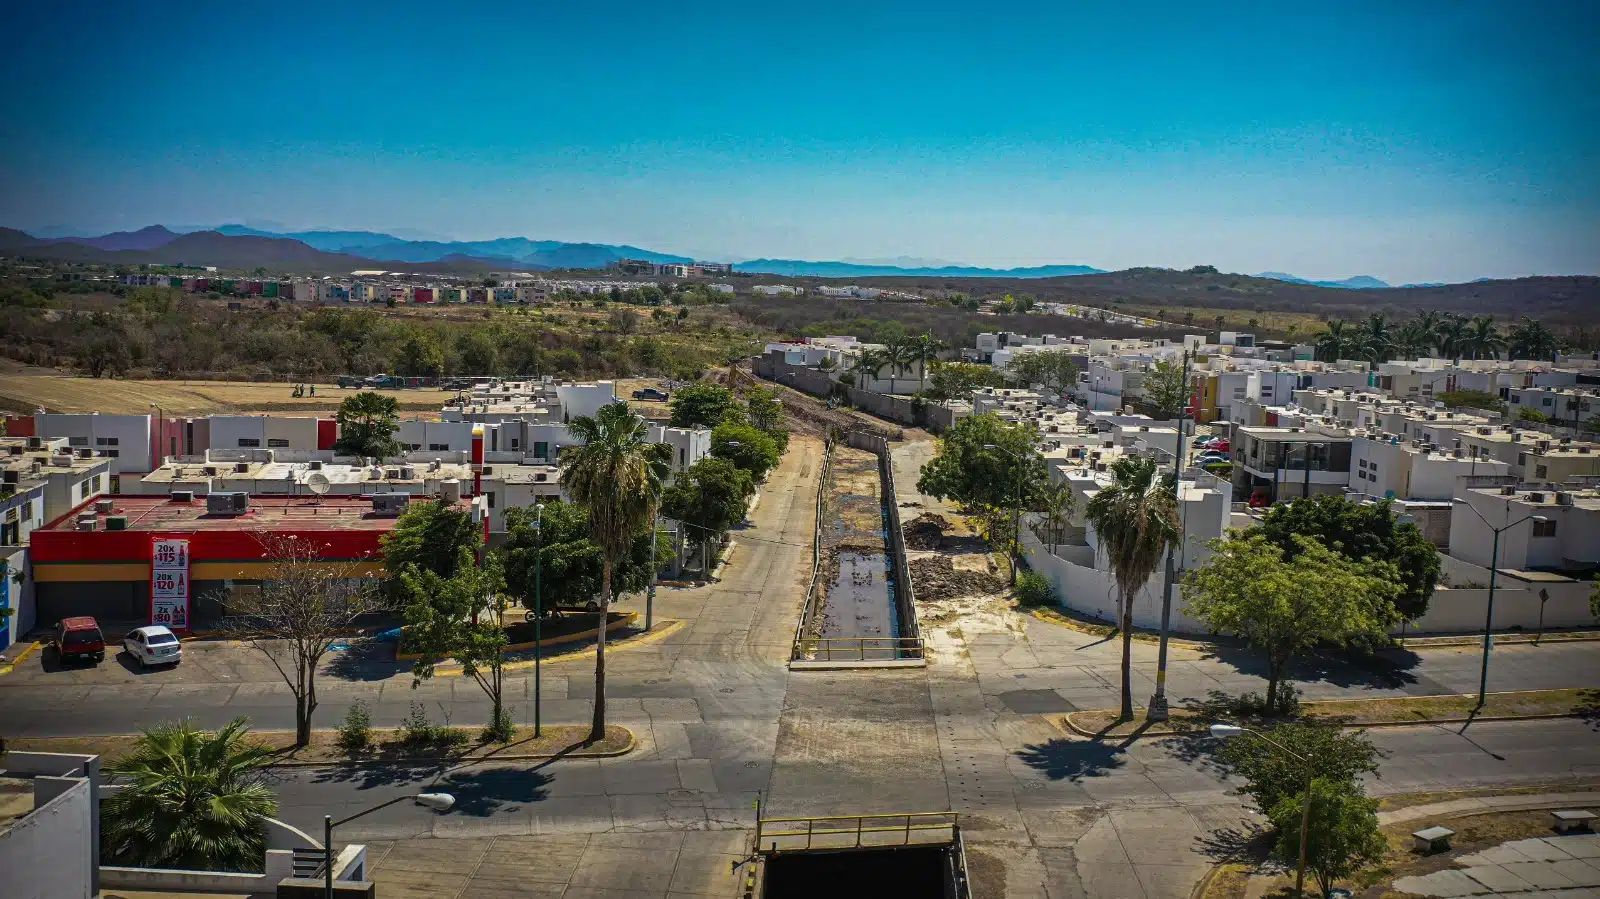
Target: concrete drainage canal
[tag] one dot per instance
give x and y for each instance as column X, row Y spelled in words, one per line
column 917, row 856
column 858, row 611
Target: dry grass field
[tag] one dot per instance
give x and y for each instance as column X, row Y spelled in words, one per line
column 60, row 393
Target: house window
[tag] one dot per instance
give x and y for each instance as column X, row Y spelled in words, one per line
column 541, row 449
column 439, row 446
column 1541, row 472
column 683, row 454
column 1545, row 401
column 1515, row 399
column 1544, row 528
column 277, row 441
column 1363, row 463
column 105, row 441
column 112, row 454
column 77, row 441
column 249, row 442
column 491, row 499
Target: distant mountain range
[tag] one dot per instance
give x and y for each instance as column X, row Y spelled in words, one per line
column 332, row 251
column 798, row 268
column 1359, row 282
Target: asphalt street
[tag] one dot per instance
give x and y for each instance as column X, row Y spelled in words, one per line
column 721, row 721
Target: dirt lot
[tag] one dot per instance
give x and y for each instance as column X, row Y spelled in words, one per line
column 24, row 392
column 58, row 393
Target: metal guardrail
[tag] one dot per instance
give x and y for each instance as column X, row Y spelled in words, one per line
column 862, row 649
column 836, row 832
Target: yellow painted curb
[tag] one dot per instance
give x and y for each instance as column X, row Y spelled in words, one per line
column 627, row 619
column 9, row 666
column 672, row 625
column 661, row 631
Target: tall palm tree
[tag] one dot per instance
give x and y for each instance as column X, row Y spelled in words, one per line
column 1135, row 519
column 868, row 364
column 1530, row 339
column 1334, row 342
column 924, row 350
column 1452, row 337
column 1418, row 336
column 1483, row 338
column 618, row 474
column 1377, row 340
column 192, row 800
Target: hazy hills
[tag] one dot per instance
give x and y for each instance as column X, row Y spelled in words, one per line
column 1359, row 282
column 799, row 268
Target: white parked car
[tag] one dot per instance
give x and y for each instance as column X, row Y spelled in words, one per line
column 153, row 645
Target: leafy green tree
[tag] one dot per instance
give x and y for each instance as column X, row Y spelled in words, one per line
column 955, row 380
column 1533, row 415
column 462, row 617
column 1364, row 533
column 478, row 353
column 1053, row 369
column 1335, row 343
column 711, row 497
column 568, row 560
column 1342, row 836
column 763, row 409
column 1271, row 775
column 1476, row 399
column 618, row 474
column 419, row 355
column 1135, row 520
column 699, row 406
column 1285, row 606
column 193, row 800
column 1483, row 340
column 987, row 483
column 1165, row 391
column 430, row 535
column 747, row 447
column 367, row 422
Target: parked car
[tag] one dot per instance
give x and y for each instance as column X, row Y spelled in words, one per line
column 80, row 638
column 650, row 393
column 1209, row 458
column 153, row 645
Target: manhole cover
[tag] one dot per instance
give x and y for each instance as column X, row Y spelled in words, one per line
column 1036, row 702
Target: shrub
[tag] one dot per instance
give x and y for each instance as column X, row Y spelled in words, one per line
column 355, row 733
column 502, row 730
column 1034, row 589
column 417, row 732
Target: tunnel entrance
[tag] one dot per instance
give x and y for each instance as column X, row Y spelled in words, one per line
column 913, row 872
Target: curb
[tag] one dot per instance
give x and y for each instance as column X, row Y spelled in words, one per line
column 1051, row 616
column 669, row 625
column 10, row 666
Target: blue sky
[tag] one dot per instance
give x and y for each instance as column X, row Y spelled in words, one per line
column 1407, row 140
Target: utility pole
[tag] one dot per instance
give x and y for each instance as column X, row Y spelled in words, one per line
column 1157, row 710
column 538, row 610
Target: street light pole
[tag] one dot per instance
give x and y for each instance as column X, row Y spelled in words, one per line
column 650, row 591
column 538, row 610
column 1224, row 731
column 439, row 802
column 1494, row 568
column 1157, row 709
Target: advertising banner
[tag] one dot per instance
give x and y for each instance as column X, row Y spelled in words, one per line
column 169, row 584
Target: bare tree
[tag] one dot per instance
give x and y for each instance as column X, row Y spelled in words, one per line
column 303, row 606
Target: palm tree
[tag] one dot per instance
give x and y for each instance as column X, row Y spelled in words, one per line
column 1452, row 337
column 1377, row 340
column 1135, row 519
column 1530, row 339
column 1418, row 336
column 1483, row 338
column 618, row 474
column 193, row 800
column 1334, row 342
column 825, row 364
column 924, row 350
column 868, row 364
